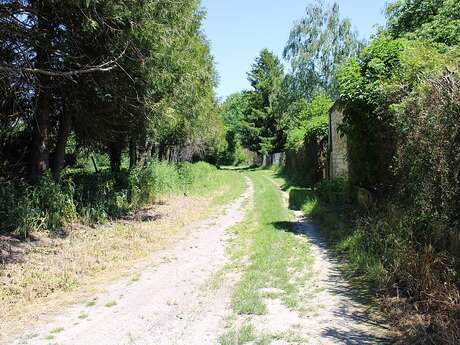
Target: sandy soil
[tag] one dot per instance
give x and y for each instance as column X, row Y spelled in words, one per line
column 168, row 301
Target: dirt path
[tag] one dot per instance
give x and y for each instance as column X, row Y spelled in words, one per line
column 334, row 314
column 170, row 300
column 339, row 317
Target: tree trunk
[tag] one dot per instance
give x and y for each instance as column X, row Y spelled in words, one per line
column 63, row 136
column 154, row 153
column 162, row 152
column 132, row 154
column 146, row 155
column 115, row 157
column 40, row 150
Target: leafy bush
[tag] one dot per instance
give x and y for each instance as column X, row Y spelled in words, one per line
column 402, row 124
column 295, row 139
column 157, row 179
column 385, row 73
column 432, row 20
column 317, row 128
column 46, row 206
column 333, row 191
column 100, row 197
column 314, row 125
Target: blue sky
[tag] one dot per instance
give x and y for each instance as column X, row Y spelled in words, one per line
column 239, row 29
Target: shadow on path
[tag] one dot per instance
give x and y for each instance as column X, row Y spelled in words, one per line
column 354, row 302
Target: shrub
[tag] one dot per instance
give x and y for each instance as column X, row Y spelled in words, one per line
column 100, row 196
column 46, row 206
column 333, row 191
column 402, row 125
column 94, row 197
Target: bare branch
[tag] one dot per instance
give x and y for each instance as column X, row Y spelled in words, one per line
column 105, row 67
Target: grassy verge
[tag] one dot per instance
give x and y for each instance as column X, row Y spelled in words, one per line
column 46, row 273
column 95, row 197
column 274, row 259
column 388, row 261
column 324, row 204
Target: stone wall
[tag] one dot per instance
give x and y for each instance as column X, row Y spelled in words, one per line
column 274, row 159
column 338, row 149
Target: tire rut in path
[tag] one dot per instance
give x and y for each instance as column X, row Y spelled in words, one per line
column 337, row 316
column 171, row 302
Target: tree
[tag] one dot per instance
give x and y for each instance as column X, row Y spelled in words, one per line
column 431, row 20
column 317, row 44
column 147, row 83
column 260, row 127
column 234, row 109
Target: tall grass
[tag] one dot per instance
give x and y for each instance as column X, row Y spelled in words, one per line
column 95, row 197
column 385, row 252
column 325, row 204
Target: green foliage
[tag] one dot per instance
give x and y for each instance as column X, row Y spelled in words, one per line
column 313, row 126
column 295, row 139
column 333, row 191
column 46, row 206
column 431, row 20
column 235, row 108
column 157, row 178
column 385, row 72
column 156, row 89
column 94, row 198
column 317, row 44
column 260, row 127
column 401, row 103
column 430, row 117
column 316, row 128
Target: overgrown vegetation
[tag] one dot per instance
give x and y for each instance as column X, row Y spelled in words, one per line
column 95, row 198
column 85, row 255
column 400, row 96
column 402, row 112
column 144, row 94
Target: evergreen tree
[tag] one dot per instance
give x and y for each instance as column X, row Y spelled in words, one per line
column 260, row 126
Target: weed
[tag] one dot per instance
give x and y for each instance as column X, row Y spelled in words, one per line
column 57, row 330
column 91, row 303
column 97, row 197
column 83, row 316
column 111, row 304
column 277, row 256
column 240, row 336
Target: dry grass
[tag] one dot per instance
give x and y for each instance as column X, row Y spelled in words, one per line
column 56, row 272
column 427, row 309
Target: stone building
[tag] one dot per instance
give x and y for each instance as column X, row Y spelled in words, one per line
column 337, row 146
